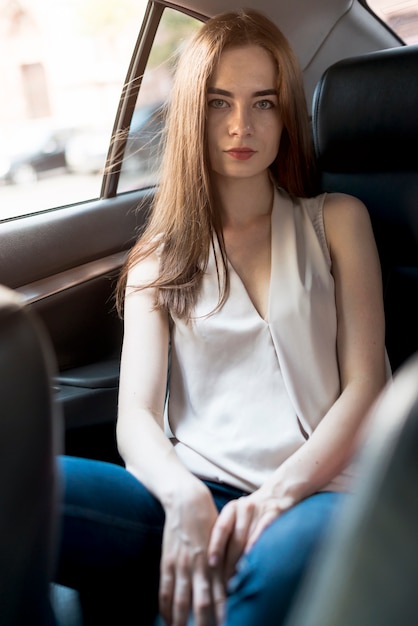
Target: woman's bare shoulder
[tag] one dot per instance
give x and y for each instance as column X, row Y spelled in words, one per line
column 344, row 203
column 342, row 210
column 144, row 271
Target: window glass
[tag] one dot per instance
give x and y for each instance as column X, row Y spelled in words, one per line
column 141, row 160
column 400, row 15
column 62, row 67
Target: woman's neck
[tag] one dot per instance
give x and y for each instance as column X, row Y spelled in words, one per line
column 243, row 201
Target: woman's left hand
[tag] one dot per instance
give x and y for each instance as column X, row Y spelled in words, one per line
column 238, row 526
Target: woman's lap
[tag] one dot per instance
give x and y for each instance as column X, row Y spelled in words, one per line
column 111, row 545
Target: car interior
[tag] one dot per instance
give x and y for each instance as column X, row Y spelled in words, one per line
column 61, row 264
column 28, row 523
column 367, row 572
column 363, row 135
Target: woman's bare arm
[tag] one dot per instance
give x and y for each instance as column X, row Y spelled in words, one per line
column 150, row 457
column 142, row 443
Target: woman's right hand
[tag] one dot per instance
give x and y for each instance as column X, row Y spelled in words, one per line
column 186, row 581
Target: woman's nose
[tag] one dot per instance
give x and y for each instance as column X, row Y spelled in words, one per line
column 241, row 123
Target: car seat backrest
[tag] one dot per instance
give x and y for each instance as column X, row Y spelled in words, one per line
column 365, row 129
column 30, row 438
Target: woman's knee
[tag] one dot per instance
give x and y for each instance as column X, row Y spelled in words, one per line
column 268, row 577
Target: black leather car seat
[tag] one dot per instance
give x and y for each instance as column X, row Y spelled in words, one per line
column 30, row 430
column 365, row 128
column 367, row 574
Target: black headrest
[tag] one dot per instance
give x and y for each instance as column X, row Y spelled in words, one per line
column 365, row 113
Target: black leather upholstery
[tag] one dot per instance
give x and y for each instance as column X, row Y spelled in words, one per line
column 30, row 432
column 368, row 573
column 365, row 128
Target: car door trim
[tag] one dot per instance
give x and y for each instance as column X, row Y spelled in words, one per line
column 47, row 287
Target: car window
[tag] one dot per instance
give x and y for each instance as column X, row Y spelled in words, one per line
column 400, row 15
column 62, row 66
column 139, row 167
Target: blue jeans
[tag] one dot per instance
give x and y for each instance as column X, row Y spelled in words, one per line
column 111, row 546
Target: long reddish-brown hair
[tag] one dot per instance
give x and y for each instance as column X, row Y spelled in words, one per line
column 185, row 215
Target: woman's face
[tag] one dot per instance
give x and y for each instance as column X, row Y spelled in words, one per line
column 243, row 119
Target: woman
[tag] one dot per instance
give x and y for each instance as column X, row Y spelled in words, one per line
column 276, row 337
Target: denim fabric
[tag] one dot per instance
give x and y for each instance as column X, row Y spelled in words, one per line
column 111, row 545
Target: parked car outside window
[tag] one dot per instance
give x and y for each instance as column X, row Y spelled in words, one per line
column 37, row 158
column 86, row 149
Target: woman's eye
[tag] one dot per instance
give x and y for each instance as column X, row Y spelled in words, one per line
column 217, row 103
column 265, row 104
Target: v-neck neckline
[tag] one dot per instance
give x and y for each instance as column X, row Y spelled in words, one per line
column 231, row 268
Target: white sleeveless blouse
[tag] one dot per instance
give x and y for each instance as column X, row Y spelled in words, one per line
column 245, row 392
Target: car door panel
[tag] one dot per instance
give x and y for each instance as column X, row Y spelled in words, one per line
column 69, row 261
column 53, row 241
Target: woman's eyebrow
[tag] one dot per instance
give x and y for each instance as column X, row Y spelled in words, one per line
column 229, row 94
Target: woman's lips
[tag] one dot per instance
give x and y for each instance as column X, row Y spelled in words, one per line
column 241, row 154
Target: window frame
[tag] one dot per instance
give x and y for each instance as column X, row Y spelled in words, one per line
column 130, row 92
column 393, row 32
